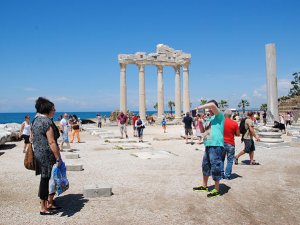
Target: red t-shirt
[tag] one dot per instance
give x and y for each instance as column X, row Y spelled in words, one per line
column 230, row 128
column 134, row 119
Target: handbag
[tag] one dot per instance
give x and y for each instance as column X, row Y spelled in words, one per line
column 29, row 160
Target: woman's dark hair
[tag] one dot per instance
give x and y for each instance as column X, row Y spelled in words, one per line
column 213, row 101
column 43, row 105
column 75, row 117
column 27, row 117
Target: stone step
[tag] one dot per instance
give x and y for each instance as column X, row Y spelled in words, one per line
column 74, row 167
column 71, row 155
column 97, row 190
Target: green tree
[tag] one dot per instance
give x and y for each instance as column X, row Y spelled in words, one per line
column 295, row 89
column 223, row 104
column 263, row 107
column 171, row 104
column 243, row 104
column 203, row 101
column 155, row 106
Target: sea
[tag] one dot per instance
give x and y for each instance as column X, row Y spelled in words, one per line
column 19, row 117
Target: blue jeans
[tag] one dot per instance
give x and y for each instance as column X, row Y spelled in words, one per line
column 229, row 150
column 212, row 162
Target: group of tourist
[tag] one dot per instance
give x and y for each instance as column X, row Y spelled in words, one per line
column 218, row 131
column 214, row 128
column 138, row 125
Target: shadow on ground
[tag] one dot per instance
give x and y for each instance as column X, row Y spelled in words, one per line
column 234, row 176
column 247, row 162
column 1, row 153
column 7, row 146
column 71, row 204
column 223, row 188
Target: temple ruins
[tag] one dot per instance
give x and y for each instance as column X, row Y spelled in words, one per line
column 164, row 56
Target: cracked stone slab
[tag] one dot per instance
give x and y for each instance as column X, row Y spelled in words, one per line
column 166, row 138
column 118, row 140
column 129, row 146
column 153, row 154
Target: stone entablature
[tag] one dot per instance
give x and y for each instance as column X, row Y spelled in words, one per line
column 164, row 56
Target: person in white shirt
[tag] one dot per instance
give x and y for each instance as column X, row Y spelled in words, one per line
column 25, row 132
column 64, row 131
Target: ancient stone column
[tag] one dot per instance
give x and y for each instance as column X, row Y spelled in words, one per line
column 160, row 93
column 272, row 91
column 177, row 93
column 142, row 95
column 186, row 88
column 123, row 88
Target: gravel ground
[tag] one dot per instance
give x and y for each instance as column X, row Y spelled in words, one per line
column 156, row 191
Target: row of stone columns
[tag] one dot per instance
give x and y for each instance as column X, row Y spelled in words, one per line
column 160, row 90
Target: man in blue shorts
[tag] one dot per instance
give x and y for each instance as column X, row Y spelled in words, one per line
column 213, row 130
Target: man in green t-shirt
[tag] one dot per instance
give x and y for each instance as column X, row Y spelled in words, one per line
column 213, row 130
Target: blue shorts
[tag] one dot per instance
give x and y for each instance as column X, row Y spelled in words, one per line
column 249, row 145
column 212, row 162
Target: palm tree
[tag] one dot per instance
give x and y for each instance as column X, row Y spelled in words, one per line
column 171, row 104
column 155, row 106
column 203, row 101
column 222, row 104
column 243, row 103
column 263, row 107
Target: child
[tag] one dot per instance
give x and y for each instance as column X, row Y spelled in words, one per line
column 164, row 125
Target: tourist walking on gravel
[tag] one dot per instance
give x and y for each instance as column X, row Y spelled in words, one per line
column 46, row 151
column 248, row 140
column 214, row 147
column 188, row 123
column 140, row 125
column 75, row 129
column 231, row 129
column 123, row 122
column 25, row 132
column 64, row 129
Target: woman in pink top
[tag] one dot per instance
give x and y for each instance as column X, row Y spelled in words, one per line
column 197, row 127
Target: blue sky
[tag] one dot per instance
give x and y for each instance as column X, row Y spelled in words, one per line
column 67, row 50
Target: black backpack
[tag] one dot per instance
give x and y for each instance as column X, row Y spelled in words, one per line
column 243, row 129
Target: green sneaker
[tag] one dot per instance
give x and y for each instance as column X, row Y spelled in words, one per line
column 201, row 188
column 213, row 193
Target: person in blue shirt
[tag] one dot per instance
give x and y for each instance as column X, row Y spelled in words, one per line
column 213, row 130
column 164, row 125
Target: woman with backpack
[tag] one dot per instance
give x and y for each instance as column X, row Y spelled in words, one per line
column 139, row 124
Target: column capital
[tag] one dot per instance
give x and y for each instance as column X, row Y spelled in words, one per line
column 140, row 66
column 123, row 66
column 177, row 68
column 160, row 68
column 185, row 66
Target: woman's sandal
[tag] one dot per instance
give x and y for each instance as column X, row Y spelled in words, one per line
column 47, row 213
column 254, row 163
